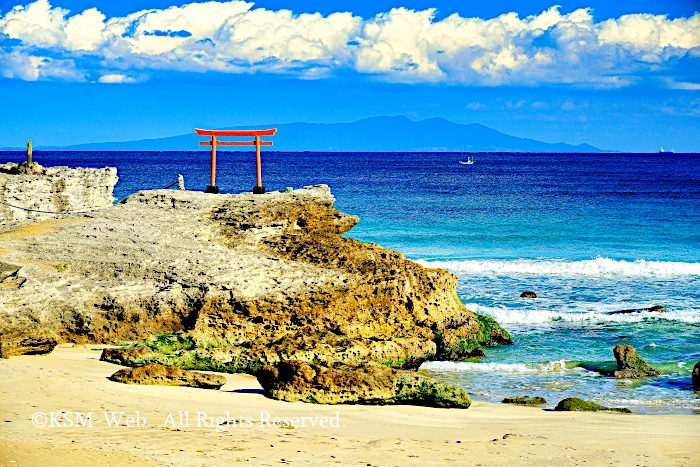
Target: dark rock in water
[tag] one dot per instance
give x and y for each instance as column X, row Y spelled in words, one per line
column 531, row 401
column 124, row 355
column 574, row 404
column 155, row 374
column 359, row 383
column 696, row 376
column 654, row 309
column 31, row 341
column 528, row 294
column 630, row 364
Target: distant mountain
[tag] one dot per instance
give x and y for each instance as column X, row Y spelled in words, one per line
column 375, row 134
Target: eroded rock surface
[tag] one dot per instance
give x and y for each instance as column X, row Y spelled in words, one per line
column 155, row 374
column 30, row 341
column 630, row 364
column 367, row 383
column 234, row 283
column 58, row 189
column 125, row 355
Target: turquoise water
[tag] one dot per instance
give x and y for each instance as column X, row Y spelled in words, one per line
column 591, row 234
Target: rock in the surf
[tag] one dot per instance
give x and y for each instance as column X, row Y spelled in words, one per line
column 574, row 404
column 155, row 374
column 528, row 294
column 630, row 364
column 357, row 383
column 696, row 376
column 531, row 401
column 653, row 309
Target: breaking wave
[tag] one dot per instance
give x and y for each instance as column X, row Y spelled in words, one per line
column 592, row 267
column 519, row 316
column 491, row 367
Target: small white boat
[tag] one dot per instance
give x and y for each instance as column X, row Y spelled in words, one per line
column 663, row 151
column 469, row 161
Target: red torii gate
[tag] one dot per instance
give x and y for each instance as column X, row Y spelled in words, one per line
column 257, row 189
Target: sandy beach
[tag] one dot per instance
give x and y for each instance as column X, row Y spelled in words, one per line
column 73, row 379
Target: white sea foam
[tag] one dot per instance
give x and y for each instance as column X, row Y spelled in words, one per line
column 491, row 367
column 593, row 267
column 538, row 316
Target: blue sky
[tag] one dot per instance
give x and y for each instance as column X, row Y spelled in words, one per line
column 618, row 75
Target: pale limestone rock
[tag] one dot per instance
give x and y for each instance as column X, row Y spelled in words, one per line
column 56, row 189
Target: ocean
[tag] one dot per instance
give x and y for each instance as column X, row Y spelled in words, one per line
column 589, row 233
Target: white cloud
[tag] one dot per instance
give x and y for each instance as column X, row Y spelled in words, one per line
column 15, row 64
column 115, row 78
column 686, row 86
column 399, row 45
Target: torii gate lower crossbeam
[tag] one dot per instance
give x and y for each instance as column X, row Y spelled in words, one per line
column 258, row 188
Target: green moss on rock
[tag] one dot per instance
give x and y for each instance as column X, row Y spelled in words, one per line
column 630, row 364
column 170, row 343
column 491, row 333
column 428, row 392
column 531, row 401
column 574, row 404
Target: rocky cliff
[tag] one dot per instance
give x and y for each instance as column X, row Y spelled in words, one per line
column 243, row 281
column 57, row 189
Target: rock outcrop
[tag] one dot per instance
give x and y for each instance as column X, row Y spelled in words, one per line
column 29, row 341
column 574, row 404
column 125, row 355
column 366, row 383
column 528, row 294
column 630, row 364
column 155, row 374
column 57, row 189
column 234, row 283
column 531, row 401
column 696, row 376
column 653, row 309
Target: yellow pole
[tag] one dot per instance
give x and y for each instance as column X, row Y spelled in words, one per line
column 29, row 151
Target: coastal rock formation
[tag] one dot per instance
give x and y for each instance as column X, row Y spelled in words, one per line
column 29, row 341
column 573, row 404
column 653, row 309
column 531, row 401
column 155, row 374
column 630, row 364
column 366, row 383
column 234, row 283
column 57, row 189
column 696, row 376
column 124, row 355
column 528, row 294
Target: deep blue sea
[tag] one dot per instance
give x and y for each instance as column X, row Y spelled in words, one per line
column 589, row 233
